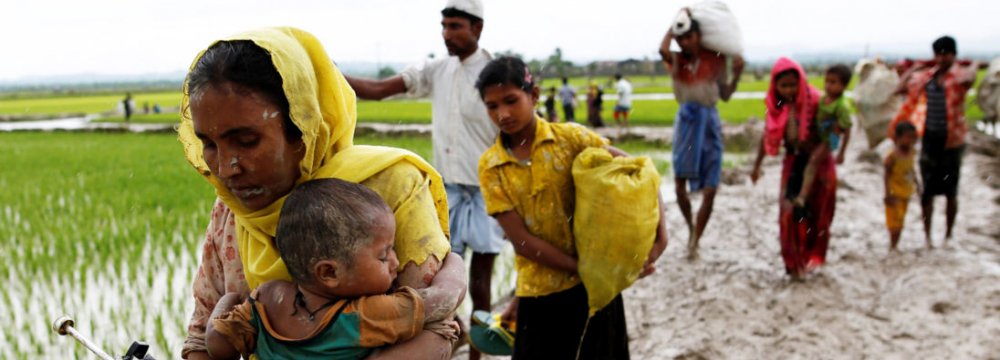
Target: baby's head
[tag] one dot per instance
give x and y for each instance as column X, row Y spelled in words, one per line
column 337, row 238
column 837, row 78
column 906, row 136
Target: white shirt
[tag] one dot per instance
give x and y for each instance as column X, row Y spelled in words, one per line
column 461, row 129
column 624, row 89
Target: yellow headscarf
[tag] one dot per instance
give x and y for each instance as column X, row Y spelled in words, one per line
column 322, row 106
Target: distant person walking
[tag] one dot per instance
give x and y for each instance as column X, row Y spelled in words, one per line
column 935, row 103
column 462, row 131
column 127, row 106
column 624, row 105
column 568, row 97
column 550, row 106
column 595, row 104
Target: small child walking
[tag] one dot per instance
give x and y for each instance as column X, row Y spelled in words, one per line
column 900, row 180
column 834, row 114
column 336, row 238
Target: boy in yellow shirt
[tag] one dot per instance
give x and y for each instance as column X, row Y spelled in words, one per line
column 528, row 186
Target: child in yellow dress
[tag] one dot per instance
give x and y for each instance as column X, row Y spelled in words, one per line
column 900, row 181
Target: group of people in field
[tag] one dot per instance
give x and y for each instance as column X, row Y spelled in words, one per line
column 567, row 97
column 320, row 248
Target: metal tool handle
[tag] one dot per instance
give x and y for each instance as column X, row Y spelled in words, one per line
column 64, row 326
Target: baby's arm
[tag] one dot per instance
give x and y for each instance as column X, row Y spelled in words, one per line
column 218, row 344
column 439, row 297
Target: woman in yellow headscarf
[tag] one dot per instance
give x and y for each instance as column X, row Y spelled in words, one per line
column 266, row 110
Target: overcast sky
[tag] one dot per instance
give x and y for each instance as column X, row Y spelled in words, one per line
column 57, row 37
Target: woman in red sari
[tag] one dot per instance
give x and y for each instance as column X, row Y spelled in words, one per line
column 808, row 178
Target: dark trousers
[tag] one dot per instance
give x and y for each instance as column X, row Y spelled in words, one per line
column 569, row 110
column 550, row 327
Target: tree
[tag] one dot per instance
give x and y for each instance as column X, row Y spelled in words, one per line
column 386, row 72
column 509, row 52
column 556, row 61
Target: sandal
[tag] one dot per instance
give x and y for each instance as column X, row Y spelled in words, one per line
column 489, row 335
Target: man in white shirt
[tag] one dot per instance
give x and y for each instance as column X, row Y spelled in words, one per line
column 461, row 132
column 624, row 105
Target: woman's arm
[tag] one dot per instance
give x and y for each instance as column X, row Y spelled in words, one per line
column 531, row 247
column 425, row 346
column 206, row 288
column 217, row 344
column 755, row 174
column 446, row 291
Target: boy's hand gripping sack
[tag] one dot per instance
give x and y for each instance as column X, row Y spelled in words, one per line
column 719, row 29
column 615, row 221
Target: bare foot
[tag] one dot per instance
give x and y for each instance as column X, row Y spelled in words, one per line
column 693, row 254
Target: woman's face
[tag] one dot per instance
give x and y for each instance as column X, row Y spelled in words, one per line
column 787, row 86
column 244, row 143
column 511, row 108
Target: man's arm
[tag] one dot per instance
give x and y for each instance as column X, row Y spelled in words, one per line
column 730, row 88
column 665, row 49
column 377, row 89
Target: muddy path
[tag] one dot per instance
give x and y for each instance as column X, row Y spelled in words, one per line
column 736, row 302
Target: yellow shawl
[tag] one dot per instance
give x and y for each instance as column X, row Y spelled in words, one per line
column 322, row 106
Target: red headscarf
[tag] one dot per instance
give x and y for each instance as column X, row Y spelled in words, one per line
column 806, row 103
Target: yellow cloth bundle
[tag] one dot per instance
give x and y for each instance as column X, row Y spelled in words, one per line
column 323, row 106
column 615, row 220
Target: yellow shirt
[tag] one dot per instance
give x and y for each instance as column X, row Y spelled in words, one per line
column 901, row 184
column 540, row 191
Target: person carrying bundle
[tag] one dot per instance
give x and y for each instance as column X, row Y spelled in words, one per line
column 706, row 33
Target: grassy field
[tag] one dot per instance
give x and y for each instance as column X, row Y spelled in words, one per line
column 646, row 112
column 86, row 104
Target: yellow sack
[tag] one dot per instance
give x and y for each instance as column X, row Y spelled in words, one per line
column 614, row 225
